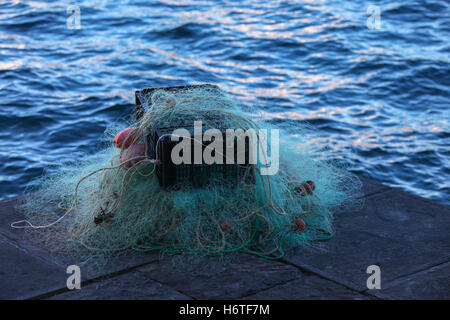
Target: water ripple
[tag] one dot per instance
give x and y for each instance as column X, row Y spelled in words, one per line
column 377, row 98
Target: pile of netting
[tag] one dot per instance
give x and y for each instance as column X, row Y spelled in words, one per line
column 112, row 201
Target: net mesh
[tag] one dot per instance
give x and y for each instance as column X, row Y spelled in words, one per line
column 112, row 202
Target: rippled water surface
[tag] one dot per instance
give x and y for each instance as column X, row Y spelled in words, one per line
column 379, row 98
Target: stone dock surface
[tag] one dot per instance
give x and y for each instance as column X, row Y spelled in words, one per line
column 405, row 235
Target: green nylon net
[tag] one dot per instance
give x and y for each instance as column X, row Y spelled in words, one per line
column 110, row 202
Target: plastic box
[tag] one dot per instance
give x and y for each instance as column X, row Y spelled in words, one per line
column 199, row 175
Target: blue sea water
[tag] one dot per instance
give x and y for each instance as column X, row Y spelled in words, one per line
column 377, row 95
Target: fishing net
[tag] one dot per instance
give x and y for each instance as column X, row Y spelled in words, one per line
column 112, row 201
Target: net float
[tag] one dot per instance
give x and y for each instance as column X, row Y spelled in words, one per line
column 305, row 188
column 135, row 152
column 126, row 138
column 227, row 226
column 299, row 225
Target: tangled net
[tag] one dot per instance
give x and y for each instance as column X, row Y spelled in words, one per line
column 112, row 201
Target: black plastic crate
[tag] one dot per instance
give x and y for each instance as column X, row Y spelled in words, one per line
column 199, row 175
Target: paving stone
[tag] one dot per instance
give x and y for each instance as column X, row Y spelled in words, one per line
column 407, row 236
column 399, row 233
column 130, row 286
column 430, row 284
column 9, row 214
column 243, row 276
column 23, row 276
column 308, row 288
column 408, row 218
column 371, row 187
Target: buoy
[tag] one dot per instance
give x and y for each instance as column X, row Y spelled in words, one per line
column 171, row 102
column 312, row 184
column 299, row 225
column 126, row 138
column 135, row 152
column 226, row 226
column 305, row 188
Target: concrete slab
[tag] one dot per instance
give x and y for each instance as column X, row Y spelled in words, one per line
column 407, row 236
column 395, row 214
column 370, row 187
column 430, row 284
column 309, row 287
column 23, row 276
column 17, row 237
column 399, row 233
column 130, row 286
column 243, row 276
column 9, row 214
